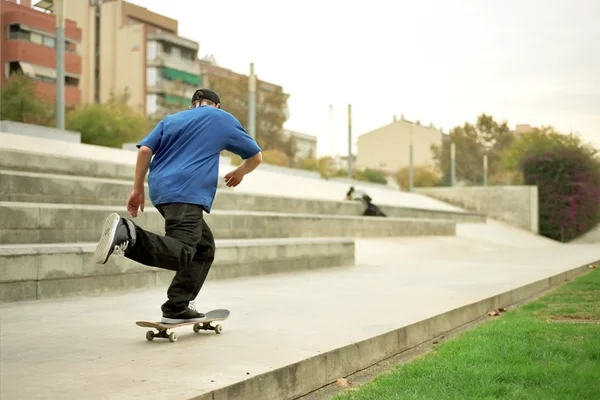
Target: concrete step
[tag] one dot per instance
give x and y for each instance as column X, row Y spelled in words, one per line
column 64, row 223
column 29, row 272
column 31, row 161
column 24, row 161
column 56, row 188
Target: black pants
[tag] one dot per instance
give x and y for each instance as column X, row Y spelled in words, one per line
column 188, row 248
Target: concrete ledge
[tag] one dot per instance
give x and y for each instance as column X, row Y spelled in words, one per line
column 66, row 189
column 515, row 205
column 66, row 223
column 39, row 131
column 44, row 271
column 305, row 376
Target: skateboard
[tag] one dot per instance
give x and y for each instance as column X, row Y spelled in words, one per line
column 203, row 324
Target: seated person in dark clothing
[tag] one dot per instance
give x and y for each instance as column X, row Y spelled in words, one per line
column 360, row 195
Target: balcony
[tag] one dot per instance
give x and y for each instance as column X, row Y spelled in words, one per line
column 170, row 61
column 166, row 87
column 174, row 40
column 21, row 50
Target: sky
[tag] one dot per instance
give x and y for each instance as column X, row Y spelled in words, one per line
column 437, row 61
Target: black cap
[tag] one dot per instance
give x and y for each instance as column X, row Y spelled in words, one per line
column 206, row 94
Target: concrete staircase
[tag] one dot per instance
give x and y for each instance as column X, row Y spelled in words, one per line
column 52, row 207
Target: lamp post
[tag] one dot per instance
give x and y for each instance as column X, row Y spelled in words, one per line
column 60, row 64
column 252, row 102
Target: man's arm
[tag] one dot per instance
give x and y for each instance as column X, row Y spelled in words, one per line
column 147, row 147
column 240, row 143
column 250, row 164
column 141, row 168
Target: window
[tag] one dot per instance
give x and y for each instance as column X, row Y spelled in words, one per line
column 15, row 32
column 70, row 47
column 187, row 54
column 14, row 68
column 50, row 41
column 151, row 50
column 70, row 81
column 166, row 48
column 45, row 79
column 35, row 38
column 151, row 104
column 151, row 76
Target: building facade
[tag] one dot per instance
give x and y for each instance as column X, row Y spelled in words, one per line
column 209, row 68
column 126, row 47
column 387, row 148
column 28, row 46
column 306, row 144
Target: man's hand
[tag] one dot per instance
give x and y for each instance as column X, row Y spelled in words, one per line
column 234, row 178
column 135, row 202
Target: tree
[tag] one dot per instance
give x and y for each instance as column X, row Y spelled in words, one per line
column 423, row 176
column 375, row 176
column 539, row 141
column 109, row 124
column 270, row 111
column 20, row 102
column 472, row 142
column 324, row 166
column 276, row 157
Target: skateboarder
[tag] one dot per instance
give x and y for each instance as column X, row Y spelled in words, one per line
column 362, row 196
column 182, row 153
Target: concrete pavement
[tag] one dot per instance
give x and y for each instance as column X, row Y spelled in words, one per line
column 89, row 347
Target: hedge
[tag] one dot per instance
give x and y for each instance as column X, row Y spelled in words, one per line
column 568, row 183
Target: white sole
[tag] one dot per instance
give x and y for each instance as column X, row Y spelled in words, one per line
column 181, row 321
column 108, row 235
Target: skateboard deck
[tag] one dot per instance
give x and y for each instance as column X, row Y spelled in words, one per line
column 203, row 324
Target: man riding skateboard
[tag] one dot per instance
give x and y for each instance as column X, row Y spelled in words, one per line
column 182, row 153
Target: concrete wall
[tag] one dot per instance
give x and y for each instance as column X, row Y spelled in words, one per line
column 516, row 205
column 39, row 131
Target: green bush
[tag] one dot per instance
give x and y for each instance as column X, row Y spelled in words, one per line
column 109, row 124
column 20, row 102
column 423, row 176
column 568, row 182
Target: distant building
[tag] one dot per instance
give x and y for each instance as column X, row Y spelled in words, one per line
column 307, row 144
column 209, row 68
column 522, row 128
column 125, row 46
column 387, row 148
column 341, row 162
column 28, row 43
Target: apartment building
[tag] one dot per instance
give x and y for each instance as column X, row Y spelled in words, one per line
column 128, row 47
column 387, row 148
column 28, row 46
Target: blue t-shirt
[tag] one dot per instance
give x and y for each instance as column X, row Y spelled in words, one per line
column 186, row 147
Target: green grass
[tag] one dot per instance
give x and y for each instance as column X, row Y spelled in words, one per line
column 533, row 352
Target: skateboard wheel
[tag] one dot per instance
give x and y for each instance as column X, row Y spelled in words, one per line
column 197, row 327
column 218, row 329
column 173, row 337
column 149, row 335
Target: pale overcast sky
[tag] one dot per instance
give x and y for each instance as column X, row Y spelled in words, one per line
column 437, row 61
